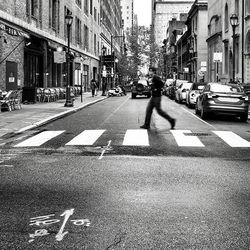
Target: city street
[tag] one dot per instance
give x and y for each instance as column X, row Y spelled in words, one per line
column 95, row 180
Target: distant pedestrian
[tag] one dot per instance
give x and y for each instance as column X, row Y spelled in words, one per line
column 155, row 101
column 97, row 87
column 93, row 86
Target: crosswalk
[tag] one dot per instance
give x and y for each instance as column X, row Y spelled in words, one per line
column 135, row 137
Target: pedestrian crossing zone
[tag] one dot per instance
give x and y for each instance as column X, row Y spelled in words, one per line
column 135, row 137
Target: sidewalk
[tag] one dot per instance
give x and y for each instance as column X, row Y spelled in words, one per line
column 37, row 114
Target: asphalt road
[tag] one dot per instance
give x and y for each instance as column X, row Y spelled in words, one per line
column 113, row 196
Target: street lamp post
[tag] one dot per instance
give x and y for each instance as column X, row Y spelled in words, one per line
column 102, row 71
column 113, row 58
column 69, row 102
column 234, row 23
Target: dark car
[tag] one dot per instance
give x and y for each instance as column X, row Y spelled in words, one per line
column 140, row 87
column 224, row 99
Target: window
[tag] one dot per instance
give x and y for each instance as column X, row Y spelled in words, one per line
column 86, row 7
column 226, row 56
column 78, row 30
column 237, row 7
column 91, row 7
column 226, row 19
column 53, row 14
column 247, row 6
column 95, row 14
column 86, row 37
column 95, row 44
column 248, row 42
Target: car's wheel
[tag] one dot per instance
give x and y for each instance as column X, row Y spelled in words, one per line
column 133, row 96
column 244, row 117
column 149, row 95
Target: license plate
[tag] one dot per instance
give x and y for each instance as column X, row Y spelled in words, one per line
column 225, row 99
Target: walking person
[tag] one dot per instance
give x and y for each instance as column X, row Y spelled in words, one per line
column 93, row 86
column 155, row 101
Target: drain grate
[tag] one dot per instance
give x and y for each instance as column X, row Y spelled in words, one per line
column 197, row 134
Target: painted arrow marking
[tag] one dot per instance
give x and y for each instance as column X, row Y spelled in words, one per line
column 66, row 215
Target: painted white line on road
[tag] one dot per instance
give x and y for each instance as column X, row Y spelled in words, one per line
column 87, row 137
column 114, row 111
column 104, row 150
column 232, row 139
column 136, row 137
column 39, row 139
column 198, row 118
column 186, row 141
column 6, row 166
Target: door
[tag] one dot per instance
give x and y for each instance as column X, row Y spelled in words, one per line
column 11, row 75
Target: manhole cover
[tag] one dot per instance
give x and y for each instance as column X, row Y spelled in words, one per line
column 197, row 134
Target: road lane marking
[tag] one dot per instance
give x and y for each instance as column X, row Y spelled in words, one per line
column 232, row 139
column 115, row 111
column 198, row 118
column 66, row 215
column 104, row 150
column 136, row 137
column 186, row 141
column 87, row 137
column 39, row 139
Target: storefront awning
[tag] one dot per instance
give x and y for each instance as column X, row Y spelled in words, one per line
column 13, row 31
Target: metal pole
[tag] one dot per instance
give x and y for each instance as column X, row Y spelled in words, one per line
column 68, row 102
column 233, row 53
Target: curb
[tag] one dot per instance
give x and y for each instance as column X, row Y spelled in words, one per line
column 55, row 117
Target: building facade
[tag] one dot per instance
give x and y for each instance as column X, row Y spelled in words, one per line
column 33, row 31
column 127, row 7
column 197, row 45
column 163, row 11
column 214, row 41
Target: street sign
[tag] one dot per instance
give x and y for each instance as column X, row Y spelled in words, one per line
column 204, row 69
column 186, row 70
column 200, row 72
column 203, row 64
column 217, row 57
column 59, row 56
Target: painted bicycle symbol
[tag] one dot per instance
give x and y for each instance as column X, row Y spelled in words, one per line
column 46, row 220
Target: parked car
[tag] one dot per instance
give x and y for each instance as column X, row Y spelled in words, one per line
column 174, row 87
column 223, row 98
column 181, row 92
column 140, row 87
column 167, row 84
column 193, row 93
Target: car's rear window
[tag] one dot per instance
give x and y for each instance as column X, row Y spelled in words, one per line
column 225, row 88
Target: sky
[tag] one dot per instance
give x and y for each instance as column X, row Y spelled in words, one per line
column 143, row 9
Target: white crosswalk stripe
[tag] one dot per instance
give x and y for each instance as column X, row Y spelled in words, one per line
column 87, row 137
column 186, row 141
column 39, row 139
column 232, row 139
column 136, row 137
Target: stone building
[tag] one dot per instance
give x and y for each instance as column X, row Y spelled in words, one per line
column 163, row 11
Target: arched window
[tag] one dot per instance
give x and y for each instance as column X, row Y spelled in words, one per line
column 248, row 42
column 247, row 7
column 226, row 19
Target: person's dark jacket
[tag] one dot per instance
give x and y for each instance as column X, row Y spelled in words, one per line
column 156, row 86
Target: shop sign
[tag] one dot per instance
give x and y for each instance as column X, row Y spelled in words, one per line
column 12, row 31
column 217, row 57
column 59, row 56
